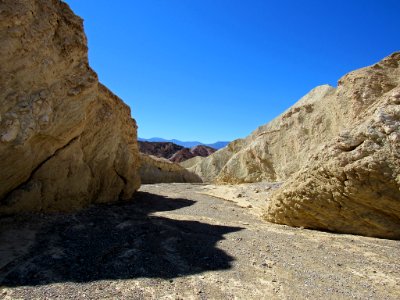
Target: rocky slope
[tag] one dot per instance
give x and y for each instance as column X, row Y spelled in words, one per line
column 159, row 149
column 160, row 170
column 276, row 150
column 345, row 141
column 187, row 153
column 65, row 140
column 173, row 152
column 352, row 185
column 186, row 144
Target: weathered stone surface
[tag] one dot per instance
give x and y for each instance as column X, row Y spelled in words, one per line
column 160, row 170
column 280, row 148
column 338, row 150
column 209, row 167
column 276, row 150
column 65, row 140
column 352, row 185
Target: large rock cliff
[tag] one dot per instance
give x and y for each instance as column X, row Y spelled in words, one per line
column 275, row 151
column 352, row 184
column 338, row 151
column 65, row 140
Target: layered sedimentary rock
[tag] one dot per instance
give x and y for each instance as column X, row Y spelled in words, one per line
column 188, row 153
column 352, row 185
column 280, row 148
column 173, row 152
column 65, row 140
column 209, row 167
column 160, row 170
column 276, row 150
column 159, row 149
column 337, row 150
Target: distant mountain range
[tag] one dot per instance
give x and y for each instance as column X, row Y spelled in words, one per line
column 216, row 145
column 173, row 152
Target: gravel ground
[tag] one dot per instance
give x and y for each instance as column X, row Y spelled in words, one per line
column 175, row 242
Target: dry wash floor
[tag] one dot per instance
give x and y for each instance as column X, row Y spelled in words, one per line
column 176, row 242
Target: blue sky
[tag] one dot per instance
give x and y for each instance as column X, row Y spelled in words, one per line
column 213, row 70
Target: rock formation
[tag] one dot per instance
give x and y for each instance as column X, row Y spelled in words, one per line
column 346, row 144
column 65, row 140
column 209, row 167
column 173, row 152
column 280, row 148
column 187, row 153
column 352, row 184
column 159, row 149
column 160, row 170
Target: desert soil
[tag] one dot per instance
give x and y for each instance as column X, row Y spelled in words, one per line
column 182, row 241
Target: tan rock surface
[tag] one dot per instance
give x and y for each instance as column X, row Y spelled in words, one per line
column 353, row 184
column 65, row 140
column 345, row 141
column 275, row 151
column 160, row 170
column 209, row 167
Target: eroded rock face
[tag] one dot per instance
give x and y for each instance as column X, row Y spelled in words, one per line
column 352, row 185
column 188, row 153
column 159, row 149
column 65, row 140
column 160, row 170
column 338, row 151
column 174, row 152
column 280, row 148
column 208, row 168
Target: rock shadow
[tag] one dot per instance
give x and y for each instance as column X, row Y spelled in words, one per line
column 118, row 241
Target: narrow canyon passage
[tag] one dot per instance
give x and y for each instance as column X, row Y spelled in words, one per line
column 175, row 242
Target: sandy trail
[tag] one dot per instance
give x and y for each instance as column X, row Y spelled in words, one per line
column 176, row 242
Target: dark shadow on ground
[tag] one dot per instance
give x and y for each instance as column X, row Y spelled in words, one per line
column 118, row 241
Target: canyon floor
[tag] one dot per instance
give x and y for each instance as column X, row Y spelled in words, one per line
column 183, row 241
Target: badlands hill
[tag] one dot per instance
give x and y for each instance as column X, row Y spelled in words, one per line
column 65, row 139
column 160, row 170
column 173, row 152
column 338, row 149
column 187, row 153
column 159, row 149
column 159, row 162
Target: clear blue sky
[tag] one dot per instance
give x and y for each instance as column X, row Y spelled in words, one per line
column 213, row 70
